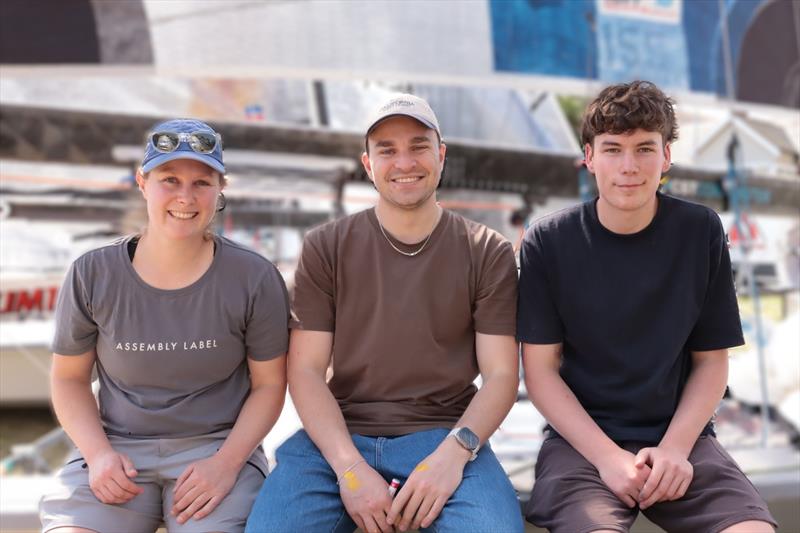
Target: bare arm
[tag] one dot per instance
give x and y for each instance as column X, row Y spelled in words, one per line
column 701, row 395
column 110, row 473
column 672, row 472
column 205, row 483
column 553, row 398
column 498, row 361
column 74, row 403
column 364, row 492
column 259, row 412
column 436, row 478
column 309, row 356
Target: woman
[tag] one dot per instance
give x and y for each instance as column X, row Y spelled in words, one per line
column 188, row 334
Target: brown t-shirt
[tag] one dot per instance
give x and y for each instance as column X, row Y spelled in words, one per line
column 404, row 327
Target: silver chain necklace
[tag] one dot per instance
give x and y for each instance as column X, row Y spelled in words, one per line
column 398, row 250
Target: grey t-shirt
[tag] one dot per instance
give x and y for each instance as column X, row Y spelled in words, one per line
column 172, row 363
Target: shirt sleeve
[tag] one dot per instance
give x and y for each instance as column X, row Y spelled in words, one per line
column 267, row 330
column 496, row 296
column 313, row 306
column 76, row 330
column 538, row 321
column 718, row 325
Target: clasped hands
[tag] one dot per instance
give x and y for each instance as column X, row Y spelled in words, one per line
column 365, row 494
column 653, row 475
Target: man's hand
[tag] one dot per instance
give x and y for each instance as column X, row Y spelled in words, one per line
column 623, row 475
column 429, row 487
column 201, row 487
column 365, row 495
column 670, row 476
column 110, row 475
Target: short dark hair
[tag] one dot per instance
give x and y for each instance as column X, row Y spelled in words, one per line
column 628, row 106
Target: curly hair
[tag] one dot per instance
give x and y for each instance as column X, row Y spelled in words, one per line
column 628, row 106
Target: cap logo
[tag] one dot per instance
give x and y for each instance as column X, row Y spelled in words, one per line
column 397, row 103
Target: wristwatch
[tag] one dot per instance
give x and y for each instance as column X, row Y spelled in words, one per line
column 467, row 439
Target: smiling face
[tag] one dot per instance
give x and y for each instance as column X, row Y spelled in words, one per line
column 181, row 198
column 404, row 161
column 628, row 168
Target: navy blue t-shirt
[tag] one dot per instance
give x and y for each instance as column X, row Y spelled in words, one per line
column 629, row 309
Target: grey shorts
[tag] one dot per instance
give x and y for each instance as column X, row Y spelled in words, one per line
column 569, row 496
column 159, row 462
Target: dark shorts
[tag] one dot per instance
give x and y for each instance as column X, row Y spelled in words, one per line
column 569, row 496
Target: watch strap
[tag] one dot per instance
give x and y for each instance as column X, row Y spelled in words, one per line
column 454, row 433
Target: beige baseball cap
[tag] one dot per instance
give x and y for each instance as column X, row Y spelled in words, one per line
column 408, row 105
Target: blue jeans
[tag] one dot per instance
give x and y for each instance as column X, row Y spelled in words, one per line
column 301, row 494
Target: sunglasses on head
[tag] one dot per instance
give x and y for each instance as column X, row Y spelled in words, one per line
column 202, row 142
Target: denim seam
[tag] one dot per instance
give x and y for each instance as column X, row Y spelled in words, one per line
column 379, row 442
column 338, row 521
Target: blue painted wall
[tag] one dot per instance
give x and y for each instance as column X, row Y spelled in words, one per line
column 678, row 47
column 551, row 37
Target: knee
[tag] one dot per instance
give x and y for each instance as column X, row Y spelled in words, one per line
column 500, row 516
column 750, row 526
column 510, row 521
column 261, row 510
column 503, row 520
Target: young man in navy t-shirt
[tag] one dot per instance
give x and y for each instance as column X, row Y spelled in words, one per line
column 626, row 312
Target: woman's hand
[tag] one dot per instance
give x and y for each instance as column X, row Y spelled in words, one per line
column 110, row 475
column 201, row 487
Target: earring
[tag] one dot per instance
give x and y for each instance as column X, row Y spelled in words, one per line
column 221, row 202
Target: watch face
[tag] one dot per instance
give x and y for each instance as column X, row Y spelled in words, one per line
column 468, row 439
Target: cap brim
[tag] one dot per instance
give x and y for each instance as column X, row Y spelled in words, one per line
column 419, row 119
column 183, row 154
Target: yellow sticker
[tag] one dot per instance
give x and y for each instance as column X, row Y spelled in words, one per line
column 421, row 467
column 352, row 481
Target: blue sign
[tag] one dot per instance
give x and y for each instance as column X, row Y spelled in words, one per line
column 677, row 44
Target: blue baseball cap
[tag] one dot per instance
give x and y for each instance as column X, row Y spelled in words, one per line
column 154, row 158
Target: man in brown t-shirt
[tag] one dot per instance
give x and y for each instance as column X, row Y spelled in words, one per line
column 408, row 304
